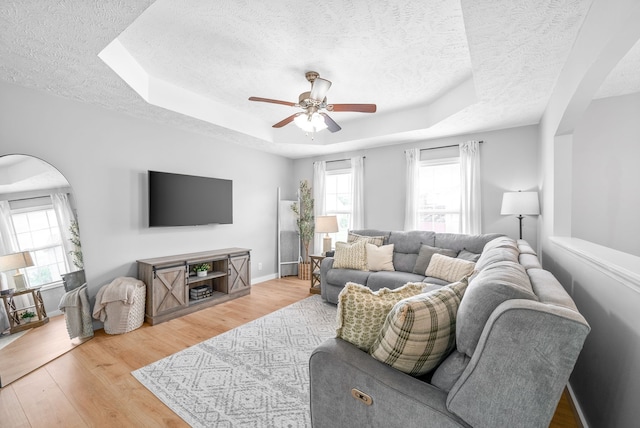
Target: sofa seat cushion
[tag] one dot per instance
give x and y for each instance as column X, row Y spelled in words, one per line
column 425, row 255
column 494, row 285
column 361, row 311
column 382, row 279
column 419, row 331
column 449, row 269
column 338, row 277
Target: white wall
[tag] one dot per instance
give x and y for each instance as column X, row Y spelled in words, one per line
column 509, row 161
column 606, row 152
column 604, row 381
column 105, row 157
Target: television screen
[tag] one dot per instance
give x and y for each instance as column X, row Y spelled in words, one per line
column 187, row 200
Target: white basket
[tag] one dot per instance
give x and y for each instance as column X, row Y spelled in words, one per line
column 128, row 320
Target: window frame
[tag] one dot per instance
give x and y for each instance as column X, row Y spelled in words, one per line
column 420, row 213
column 343, row 233
column 61, row 262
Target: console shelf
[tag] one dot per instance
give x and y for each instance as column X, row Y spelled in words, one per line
column 172, row 283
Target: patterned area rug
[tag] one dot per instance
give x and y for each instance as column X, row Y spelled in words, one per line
column 256, row 375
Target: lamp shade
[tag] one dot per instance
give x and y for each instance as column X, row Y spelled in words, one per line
column 520, row 203
column 327, row 224
column 15, row 261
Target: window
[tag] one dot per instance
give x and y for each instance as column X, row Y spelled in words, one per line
column 439, row 195
column 37, row 231
column 339, row 201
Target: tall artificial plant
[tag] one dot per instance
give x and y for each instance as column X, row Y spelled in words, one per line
column 75, row 240
column 304, row 216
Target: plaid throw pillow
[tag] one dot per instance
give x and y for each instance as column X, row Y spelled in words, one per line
column 419, row 331
column 375, row 240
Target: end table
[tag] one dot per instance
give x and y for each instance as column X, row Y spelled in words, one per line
column 316, row 260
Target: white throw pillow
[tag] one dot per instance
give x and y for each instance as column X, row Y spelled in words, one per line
column 380, row 258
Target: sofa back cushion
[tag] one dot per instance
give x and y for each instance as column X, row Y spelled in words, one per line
column 495, row 284
column 459, row 241
column 407, row 246
column 424, row 257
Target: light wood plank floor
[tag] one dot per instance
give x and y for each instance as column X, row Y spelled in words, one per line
column 92, row 386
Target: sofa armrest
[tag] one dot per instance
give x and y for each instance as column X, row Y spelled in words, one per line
column 336, row 367
column 521, row 365
column 325, row 266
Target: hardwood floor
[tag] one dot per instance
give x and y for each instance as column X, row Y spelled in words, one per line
column 92, row 386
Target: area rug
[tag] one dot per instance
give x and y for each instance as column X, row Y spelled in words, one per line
column 256, row 375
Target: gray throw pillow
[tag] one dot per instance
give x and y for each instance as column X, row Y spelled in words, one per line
column 424, row 257
column 468, row 255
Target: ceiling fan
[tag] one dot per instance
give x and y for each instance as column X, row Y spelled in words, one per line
column 313, row 119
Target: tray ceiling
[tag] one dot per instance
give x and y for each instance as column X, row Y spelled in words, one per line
column 434, row 68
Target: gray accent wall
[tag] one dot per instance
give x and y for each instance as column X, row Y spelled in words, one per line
column 105, row 157
column 509, row 162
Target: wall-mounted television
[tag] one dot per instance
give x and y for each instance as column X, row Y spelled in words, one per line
column 188, row 200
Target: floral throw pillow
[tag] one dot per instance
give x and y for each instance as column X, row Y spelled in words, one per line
column 361, row 312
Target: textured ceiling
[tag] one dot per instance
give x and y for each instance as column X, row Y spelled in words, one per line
column 433, row 67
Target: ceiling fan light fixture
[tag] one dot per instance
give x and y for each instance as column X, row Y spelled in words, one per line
column 313, row 122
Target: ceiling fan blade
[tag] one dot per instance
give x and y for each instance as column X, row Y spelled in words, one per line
column 361, row 108
column 331, row 124
column 319, row 89
column 286, row 121
column 268, row 100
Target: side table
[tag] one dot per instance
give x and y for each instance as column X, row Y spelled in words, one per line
column 316, row 260
column 14, row 313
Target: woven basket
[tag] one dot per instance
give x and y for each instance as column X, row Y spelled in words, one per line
column 304, row 270
column 135, row 317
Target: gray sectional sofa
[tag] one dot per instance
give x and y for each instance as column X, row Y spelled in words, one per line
column 518, row 335
column 407, row 246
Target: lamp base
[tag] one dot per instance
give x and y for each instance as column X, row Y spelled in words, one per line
column 19, row 281
column 326, row 244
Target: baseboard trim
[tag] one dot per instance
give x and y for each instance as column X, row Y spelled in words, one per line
column 264, row 278
column 577, row 411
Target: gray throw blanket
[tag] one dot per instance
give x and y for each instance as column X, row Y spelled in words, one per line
column 77, row 312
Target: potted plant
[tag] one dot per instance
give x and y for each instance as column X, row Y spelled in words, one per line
column 201, row 269
column 28, row 316
column 306, row 226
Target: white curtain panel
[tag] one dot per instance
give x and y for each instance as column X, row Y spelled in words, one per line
column 470, row 195
column 412, row 159
column 357, row 192
column 8, row 242
column 319, row 172
column 65, row 217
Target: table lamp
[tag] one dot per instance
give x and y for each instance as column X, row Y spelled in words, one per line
column 16, row 261
column 520, row 203
column 326, row 224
